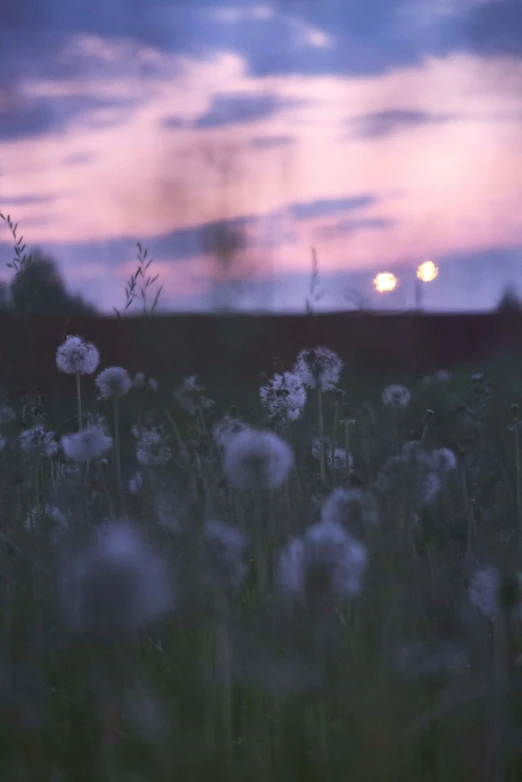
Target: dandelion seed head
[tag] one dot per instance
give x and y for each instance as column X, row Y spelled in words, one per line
column 284, row 396
column 136, row 482
column 226, row 428
column 353, row 509
column 39, row 442
column 144, row 383
column 443, row 376
column 76, row 356
column 224, row 549
column 256, row 459
column 190, row 396
column 318, row 368
column 396, row 396
column 90, row 443
column 444, row 459
column 325, row 562
column 484, row 591
column 152, row 447
column 118, row 583
column 113, row 382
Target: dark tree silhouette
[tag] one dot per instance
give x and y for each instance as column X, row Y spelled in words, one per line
column 225, row 244
column 509, row 301
column 40, row 289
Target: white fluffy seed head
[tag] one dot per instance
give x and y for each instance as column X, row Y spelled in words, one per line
column 118, row 583
column 227, row 427
column 444, row 459
column 284, row 396
column 38, row 441
column 325, row 563
column 91, row 443
column 484, row 591
column 318, row 368
column 113, row 382
column 190, row 396
column 353, row 509
column 224, row 549
column 396, row 396
column 51, row 513
column 257, row 460
column 152, row 447
column 76, row 356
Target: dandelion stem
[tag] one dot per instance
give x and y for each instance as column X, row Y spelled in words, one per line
column 321, row 435
column 518, row 489
column 79, row 400
column 118, row 455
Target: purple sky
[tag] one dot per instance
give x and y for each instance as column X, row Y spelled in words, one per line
column 381, row 133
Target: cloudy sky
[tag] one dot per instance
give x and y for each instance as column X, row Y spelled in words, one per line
column 380, row 133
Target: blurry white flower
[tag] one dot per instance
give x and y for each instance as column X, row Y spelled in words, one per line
column 325, row 562
column 190, row 396
column 226, row 428
column 77, row 356
column 318, row 368
column 152, row 448
column 484, row 589
column 396, row 396
column 38, row 441
column 7, row 414
column 350, row 508
column 225, row 547
column 342, row 460
column 142, row 382
column 88, row 444
column 113, row 382
column 284, row 396
column 51, row 512
column 443, row 376
column 255, row 460
column 136, row 482
column 444, row 459
column 118, row 583
column 429, row 488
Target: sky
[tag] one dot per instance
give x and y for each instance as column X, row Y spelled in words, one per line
column 381, row 134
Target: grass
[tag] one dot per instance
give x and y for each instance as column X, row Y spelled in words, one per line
column 235, row 680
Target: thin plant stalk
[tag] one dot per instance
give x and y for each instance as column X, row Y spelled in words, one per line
column 118, row 455
column 79, row 401
column 321, row 436
column 518, row 488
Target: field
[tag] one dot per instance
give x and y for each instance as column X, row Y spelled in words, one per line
column 182, row 600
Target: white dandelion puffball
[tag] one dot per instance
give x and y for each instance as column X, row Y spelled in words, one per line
column 318, row 368
column 350, row 507
column 484, row 589
column 77, row 356
column 91, row 443
column 113, row 382
column 136, row 482
column 444, row 459
column 443, row 376
column 144, row 383
column 118, row 583
column 38, row 441
column 190, row 396
column 325, row 562
column 152, row 448
column 396, row 396
column 224, row 550
column 257, row 460
column 284, row 396
column 227, row 427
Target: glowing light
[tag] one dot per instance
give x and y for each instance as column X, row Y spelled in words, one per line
column 385, row 282
column 427, row 271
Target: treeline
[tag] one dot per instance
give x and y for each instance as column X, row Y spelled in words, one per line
column 38, row 288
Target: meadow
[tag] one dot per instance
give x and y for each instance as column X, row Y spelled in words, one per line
column 315, row 576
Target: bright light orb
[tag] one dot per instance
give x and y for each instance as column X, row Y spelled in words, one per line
column 385, row 282
column 427, row 271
